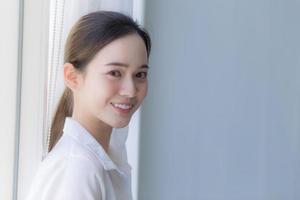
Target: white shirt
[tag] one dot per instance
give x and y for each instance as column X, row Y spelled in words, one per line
column 78, row 168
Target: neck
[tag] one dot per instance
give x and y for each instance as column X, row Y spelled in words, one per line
column 99, row 130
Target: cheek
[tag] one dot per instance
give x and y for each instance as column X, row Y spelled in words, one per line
column 104, row 89
column 143, row 89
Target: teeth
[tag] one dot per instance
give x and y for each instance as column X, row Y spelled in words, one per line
column 123, row 106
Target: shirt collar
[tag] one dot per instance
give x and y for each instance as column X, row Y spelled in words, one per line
column 75, row 130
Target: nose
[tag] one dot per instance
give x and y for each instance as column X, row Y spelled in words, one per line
column 128, row 88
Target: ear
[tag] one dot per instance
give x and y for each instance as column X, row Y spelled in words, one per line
column 71, row 76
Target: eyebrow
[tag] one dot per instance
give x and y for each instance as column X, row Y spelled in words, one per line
column 124, row 65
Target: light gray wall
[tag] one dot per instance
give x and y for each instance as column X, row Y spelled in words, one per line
column 222, row 117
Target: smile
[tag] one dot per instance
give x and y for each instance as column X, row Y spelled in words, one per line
column 123, row 108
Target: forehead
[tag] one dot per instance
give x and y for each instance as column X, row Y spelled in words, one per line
column 129, row 49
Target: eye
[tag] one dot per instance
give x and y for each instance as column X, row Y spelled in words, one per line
column 142, row 75
column 115, row 73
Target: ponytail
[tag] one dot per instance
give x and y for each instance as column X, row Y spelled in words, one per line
column 63, row 110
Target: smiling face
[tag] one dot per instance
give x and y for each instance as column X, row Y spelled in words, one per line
column 114, row 83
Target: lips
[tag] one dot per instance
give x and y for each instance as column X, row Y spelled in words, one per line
column 123, row 107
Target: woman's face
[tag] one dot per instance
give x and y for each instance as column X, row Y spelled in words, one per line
column 115, row 82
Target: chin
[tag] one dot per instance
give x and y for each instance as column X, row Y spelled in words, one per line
column 120, row 124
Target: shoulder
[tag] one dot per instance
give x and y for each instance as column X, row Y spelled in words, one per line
column 70, row 152
column 81, row 172
column 70, row 161
column 68, row 176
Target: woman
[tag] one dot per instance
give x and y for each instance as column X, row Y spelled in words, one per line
column 105, row 73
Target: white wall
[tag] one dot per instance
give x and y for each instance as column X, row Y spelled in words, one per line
column 221, row 119
column 9, row 15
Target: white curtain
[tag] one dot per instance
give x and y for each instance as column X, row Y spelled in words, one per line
column 63, row 15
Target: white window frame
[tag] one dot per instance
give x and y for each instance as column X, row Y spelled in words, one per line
column 33, row 92
column 10, row 95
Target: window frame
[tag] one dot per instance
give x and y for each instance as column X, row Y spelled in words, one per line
column 33, row 92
